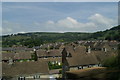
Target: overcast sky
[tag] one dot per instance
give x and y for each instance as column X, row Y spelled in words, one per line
column 58, row 16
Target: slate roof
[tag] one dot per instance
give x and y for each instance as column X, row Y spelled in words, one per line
column 49, row 53
column 7, row 56
column 20, row 55
column 25, row 68
column 83, row 59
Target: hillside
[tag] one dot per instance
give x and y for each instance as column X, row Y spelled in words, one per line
column 111, row 34
column 38, row 38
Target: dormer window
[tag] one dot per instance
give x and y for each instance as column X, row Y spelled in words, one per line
column 104, row 49
column 48, row 51
column 69, row 55
column 10, row 61
column 74, row 48
column 88, row 50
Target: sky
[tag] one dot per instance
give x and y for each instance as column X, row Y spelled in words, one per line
column 60, row 0
column 22, row 17
column 0, row 18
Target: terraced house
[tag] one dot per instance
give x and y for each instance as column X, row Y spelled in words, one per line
column 72, row 56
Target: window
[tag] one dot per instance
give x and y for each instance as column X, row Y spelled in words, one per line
column 21, row 78
column 37, row 77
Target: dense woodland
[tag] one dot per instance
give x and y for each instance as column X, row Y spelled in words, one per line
column 38, row 38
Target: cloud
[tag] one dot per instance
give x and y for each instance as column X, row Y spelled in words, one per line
column 22, row 32
column 0, row 27
column 96, row 22
column 102, row 22
column 66, row 24
column 10, row 27
column 99, row 19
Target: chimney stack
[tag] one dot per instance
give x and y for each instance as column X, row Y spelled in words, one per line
column 64, row 64
column 10, row 61
column 89, row 49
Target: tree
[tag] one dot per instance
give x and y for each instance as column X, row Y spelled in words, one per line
column 113, row 65
column 119, row 56
column 34, row 56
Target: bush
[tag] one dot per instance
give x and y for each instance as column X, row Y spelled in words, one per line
column 113, row 65
column 54, row 66
column 110, row 62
